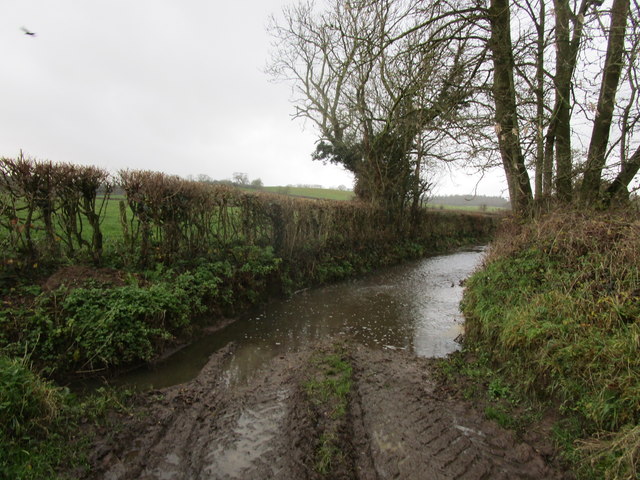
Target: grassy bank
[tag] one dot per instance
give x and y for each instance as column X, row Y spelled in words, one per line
column 84, row 321
column 555, row 314
column 43, row 425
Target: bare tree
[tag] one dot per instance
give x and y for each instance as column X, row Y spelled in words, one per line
column 393, row 85
column 604, row 111
column 240, row 178
column 379, row 83
column 506, row 112
column 590, row 42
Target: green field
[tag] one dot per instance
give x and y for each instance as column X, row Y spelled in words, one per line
column 320, row 193
column 111, row 227
column 466, row 208
column 333, row 194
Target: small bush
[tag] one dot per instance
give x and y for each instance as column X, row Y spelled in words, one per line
column 122, row 325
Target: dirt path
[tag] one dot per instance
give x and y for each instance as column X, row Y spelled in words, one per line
column 412, row 432
column 397, row 425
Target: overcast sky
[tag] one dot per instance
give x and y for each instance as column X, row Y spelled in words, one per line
column 166, row 85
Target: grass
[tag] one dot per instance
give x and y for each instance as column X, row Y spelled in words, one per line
column 111, row 227
column 466, row 208
column 332, row 384
column 344, row 195
column 620, row 452
column 473, row 376
column 556, row 311
column 328, row 388
column 327, row 453
column 40, row 433
column 320, row 193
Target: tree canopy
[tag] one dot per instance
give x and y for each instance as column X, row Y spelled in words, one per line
column 394, row 86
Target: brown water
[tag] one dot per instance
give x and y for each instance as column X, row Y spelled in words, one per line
column 414, row 306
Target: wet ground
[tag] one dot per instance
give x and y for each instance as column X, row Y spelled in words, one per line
column 412, row 307
column 242, row 411
column 398, row 424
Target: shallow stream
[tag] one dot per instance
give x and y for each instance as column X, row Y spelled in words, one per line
column 413, row 306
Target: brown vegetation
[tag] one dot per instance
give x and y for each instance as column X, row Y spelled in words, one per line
column 44, row 208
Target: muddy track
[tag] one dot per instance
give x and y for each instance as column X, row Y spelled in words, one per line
column 412, row 432
column 397, row 425
column 204, row 429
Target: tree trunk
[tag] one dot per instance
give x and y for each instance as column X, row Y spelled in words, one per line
column 590, row 190
column 564, row 73
column 505, row 103
column 547, row 166
column 622, row 181
column 540, row 191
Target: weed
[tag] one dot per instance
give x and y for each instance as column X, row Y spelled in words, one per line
column 497, row 389
column 327, row 453
column 331, row 385
column 27, row 404
column 501, row 416
column 617, row 454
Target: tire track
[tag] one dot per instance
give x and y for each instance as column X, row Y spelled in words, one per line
column 414, row 434
column 206, row 430
column 397, row 426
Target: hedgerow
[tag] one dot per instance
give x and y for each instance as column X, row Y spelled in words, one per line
column 54, row 212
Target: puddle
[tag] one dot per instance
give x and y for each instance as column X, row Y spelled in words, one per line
column 414, row 307
column 252, row 438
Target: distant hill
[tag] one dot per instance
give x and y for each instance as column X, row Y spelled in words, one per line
column 462, row 202
column 470, row 201
column 312, row 192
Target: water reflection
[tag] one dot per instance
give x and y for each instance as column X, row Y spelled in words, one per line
column 413, row 306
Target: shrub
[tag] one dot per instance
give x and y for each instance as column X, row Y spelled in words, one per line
column 44, row 208
column 121, row 325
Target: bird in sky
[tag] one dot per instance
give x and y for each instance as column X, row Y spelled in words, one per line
column 28, row 32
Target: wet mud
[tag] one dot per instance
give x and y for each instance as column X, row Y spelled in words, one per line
column 399, row 423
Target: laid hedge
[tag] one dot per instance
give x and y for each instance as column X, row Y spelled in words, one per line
column 51, row 212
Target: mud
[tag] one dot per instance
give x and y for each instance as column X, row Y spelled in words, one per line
column 399, row 424
column 76, row 276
